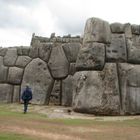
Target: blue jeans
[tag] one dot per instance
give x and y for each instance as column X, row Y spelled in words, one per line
column 26, row 102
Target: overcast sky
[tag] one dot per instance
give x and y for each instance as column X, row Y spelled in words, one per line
column 20, row 18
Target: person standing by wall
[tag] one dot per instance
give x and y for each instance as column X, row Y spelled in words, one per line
column 26, row 97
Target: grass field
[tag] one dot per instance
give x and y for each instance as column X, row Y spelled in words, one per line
column 14, row 125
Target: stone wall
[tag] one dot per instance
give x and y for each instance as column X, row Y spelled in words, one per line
column 96, row 74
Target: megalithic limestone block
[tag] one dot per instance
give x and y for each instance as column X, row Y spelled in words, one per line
column 91, row 57
column 97, row 92
column 6, row 93
column 71, row 50
column 37, row 76
column 116, row 51
column 97, row 30
column 117, row 27
column 129, row 77
column 58, row 62
column 133, row 47
column 135, row 29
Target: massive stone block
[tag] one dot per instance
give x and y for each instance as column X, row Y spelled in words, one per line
column 129, row 77
column 3, row 71
column 133, row 47
column 58, row 62
column 6, row 93
column 22, row 61
column 15, row 75
column 97, row 92
column 116, row 51
column 45, row 51
column 67, row 92
column 117, row 28
column 97, row 30
column 91, row 57
column 3, row 51
column 135, row 29
column 10, row 57
column 71, row 50
column 23, row 50
column 37, row 75
column 128, row 31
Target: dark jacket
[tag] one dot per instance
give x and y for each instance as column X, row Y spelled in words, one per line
column 27, row 94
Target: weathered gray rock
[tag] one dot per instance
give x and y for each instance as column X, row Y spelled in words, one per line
column 23, row 50
column 71, row 50
column 128, row 31
column 37, row 75
column 45, row 51
column 72, row 69
column 67, row 92
column 3, row 51
column 97, row 92
column 3, row 71
column 6, row 93
column 117, row 27
column 10, row 57
column 129, row 77
column 22, row 61
column 58, row 62
column 91, row 57
column 55, row 97
column 135, row 29
column 15, row 75
column 16, row 94
column 116, row 51
column 133, row 48
column 97, row 30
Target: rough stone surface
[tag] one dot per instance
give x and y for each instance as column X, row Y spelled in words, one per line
column 67, row 92
column 38, row 77
column 23, row 50
column 71, row 50
column 91, row 57
column 3, row 71
column 10, row 57
column 22, row 61
column 129, row 77
column 133, row 47
column 97, row 92
column 3, row 51
column 97, row 30
column 135, row 29
column 45, row 51
column 58, row 62
column 15, row 75
column 56, row 93
column 16, row 94
column 116, row 51
column 117, row 28
column 72, row 69
column 128, row 31
column 6, row 93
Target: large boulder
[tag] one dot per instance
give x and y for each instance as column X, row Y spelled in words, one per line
column 10, row 57
column 91, row 57
column 45, row 51
column 37, row 76
column 129, row 77
column 15, row 75
column 67, row 92
column 71, row 50
column 58, row 62
column 97, row 92
column 133, row 47
column 97, row 30
column 6, row 93
column 116, row 51
column 117, row 27
column 3, row 71
column 22, row 61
